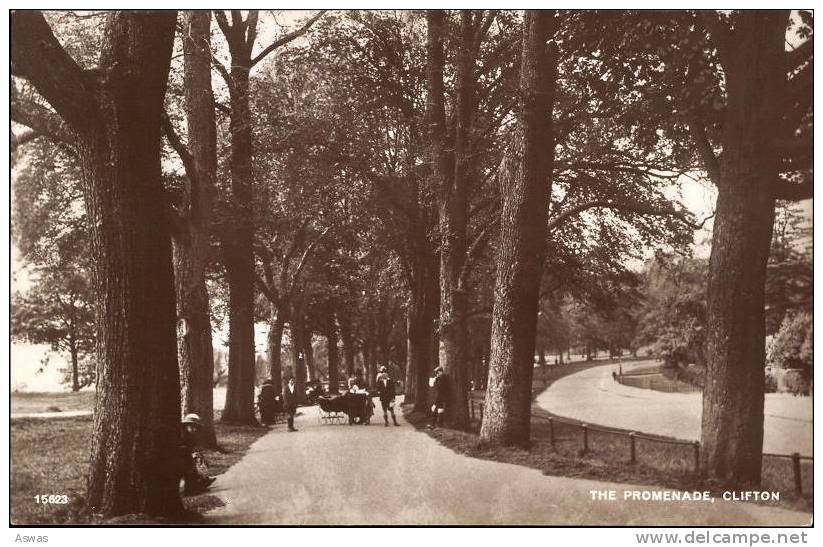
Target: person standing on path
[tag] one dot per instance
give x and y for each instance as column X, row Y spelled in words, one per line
column 385, row 390
column 439, row 390
column 290, row 402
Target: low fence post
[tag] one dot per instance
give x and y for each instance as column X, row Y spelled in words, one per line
column 585, row 437
column 471, row 408
column 798, row 483
column 551, row 430
column 696, row 445
column 482, row 406
column 632, row 451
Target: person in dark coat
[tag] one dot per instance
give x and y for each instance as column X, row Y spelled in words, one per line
column 385, row 390
column 267, row 403
column 439, row 395
column 194, row 481
column 290, row 395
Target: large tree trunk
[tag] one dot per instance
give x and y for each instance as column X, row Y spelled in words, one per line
column 274, row 344
column 453, row 204
column 117, row 122
column 237, row 249
column 732, row 428
column 191, row 239
column 421, row 344
column 526, row 186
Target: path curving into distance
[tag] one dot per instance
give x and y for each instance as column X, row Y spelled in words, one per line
column 592, row 396
column 341, row 474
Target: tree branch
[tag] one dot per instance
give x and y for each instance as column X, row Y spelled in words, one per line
column 629, row 207
column 175, row 142
column 37, row 56
column 704, row 148
column 304, row 259
column 476, row 246
column 21, row 139
column 269, row 292
column 285, row 39
column 40, row 119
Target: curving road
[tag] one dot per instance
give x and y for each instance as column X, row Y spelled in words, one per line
column 593, row 396
column 340, row 474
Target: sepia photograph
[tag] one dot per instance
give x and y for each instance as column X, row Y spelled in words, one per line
column 411, row 267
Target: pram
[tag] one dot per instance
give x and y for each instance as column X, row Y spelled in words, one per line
column 334, row 409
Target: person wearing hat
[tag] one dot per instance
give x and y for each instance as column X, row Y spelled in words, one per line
column 439, row 394
column 385, row 390
column 290, row 399
column 194, row 481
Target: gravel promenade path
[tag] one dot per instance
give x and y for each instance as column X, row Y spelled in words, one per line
column 593, row 396
column 341, row 474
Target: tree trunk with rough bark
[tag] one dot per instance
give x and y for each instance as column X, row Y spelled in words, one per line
column 191, row 237
column 421, row 346
column 238, row 237
column 525, row 181
column 116, row 119
column 452, row 179
column 732, row 427
column 274, row 345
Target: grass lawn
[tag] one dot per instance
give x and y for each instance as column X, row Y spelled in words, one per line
column 24, row 403
column 50, row 456
column 607, row 458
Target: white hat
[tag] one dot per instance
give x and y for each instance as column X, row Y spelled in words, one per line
column 191, row 419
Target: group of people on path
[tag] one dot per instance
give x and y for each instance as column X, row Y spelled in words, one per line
column 195, row 480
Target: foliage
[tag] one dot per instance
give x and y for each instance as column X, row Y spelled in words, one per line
column 673, row 315
column 791, row 347
column 49, row 229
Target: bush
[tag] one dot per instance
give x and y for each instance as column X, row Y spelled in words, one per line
column 791, row 347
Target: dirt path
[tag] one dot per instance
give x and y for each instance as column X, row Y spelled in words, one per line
column 340, row 474
column 592, row 396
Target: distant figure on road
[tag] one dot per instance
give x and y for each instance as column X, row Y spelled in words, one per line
column 194, row 481
column 290, row 395
column 385, row 390
column 439, row 390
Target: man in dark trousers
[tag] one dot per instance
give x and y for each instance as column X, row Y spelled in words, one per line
column 439, row 390
column 385, row 390
column 290, row 395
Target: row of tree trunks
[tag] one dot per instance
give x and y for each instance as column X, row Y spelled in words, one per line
column 525, row 183
column 191, row 238
column 732, row 427
column 117, row 122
